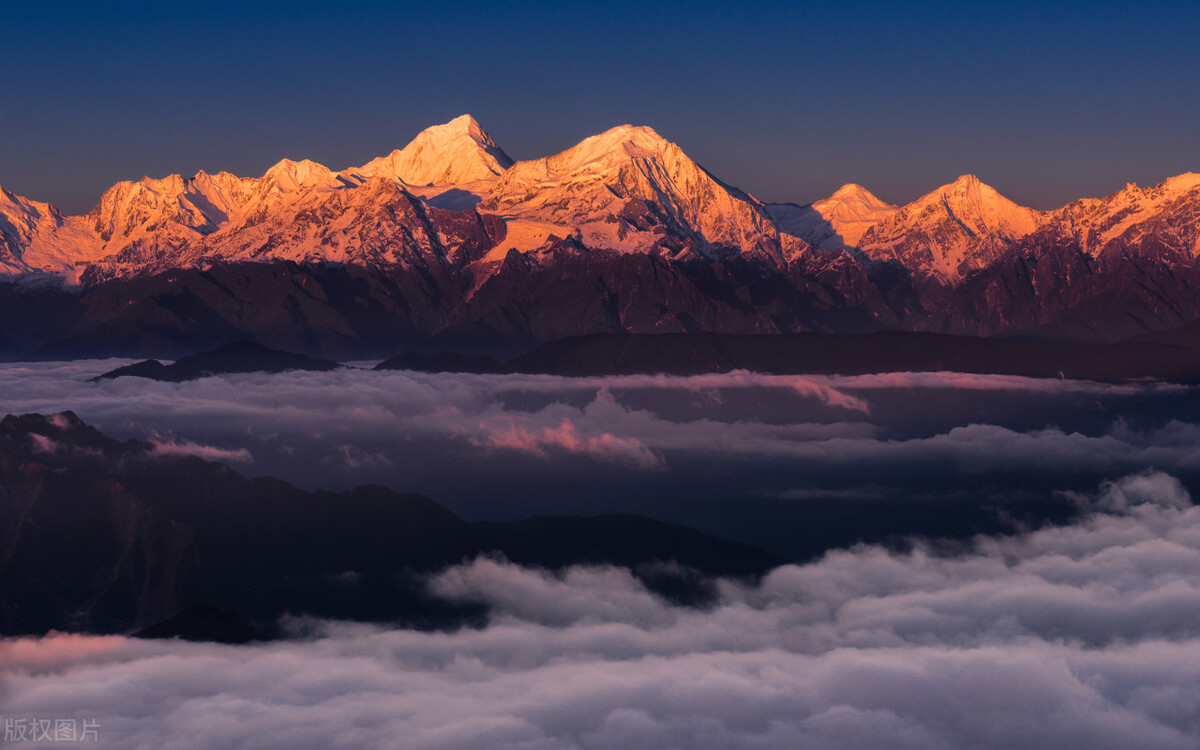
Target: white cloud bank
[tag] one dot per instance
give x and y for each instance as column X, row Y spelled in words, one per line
column 1083, row 636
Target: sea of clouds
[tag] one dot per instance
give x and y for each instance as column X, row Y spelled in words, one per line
column 1076, row 636
column 767, row 459
column 363, row 419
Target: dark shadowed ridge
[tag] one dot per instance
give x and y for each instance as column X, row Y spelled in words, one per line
column 1173, row 355
column 106, row 536
column 203, row 623
column 444, row 362
column 239, row 356
column 1185, row 336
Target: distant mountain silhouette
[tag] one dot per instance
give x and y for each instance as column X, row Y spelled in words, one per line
column 1172, row 355
column 239, row 356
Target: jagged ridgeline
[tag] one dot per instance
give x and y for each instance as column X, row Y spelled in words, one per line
column 449, row 243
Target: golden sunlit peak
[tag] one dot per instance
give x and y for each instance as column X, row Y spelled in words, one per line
column 851, row 190
column 634, row 133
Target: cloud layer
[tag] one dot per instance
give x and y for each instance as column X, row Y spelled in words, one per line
column 793, row 464
column 1080, row 636
column 357, row 412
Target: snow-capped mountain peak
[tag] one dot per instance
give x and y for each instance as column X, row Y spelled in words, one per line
column 852, row 209
column 959, row 227
column 608, row 150
column 854, row 191
column 977, row 207
column 1167, row 213
column 1182, row 183
column 965, row 187
column 467, row 124
column 631, row 190
column 12, row 204
column 291, row 175
column 629, row 140
column 836, row 222
column 36, row 238
column 170, row 184
column 456, row 152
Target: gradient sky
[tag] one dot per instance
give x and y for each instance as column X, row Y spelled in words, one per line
column 1046, row 101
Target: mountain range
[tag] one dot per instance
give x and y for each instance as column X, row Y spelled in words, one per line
column 450, row 243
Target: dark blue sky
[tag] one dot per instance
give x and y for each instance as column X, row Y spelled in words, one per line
column 1045, row 101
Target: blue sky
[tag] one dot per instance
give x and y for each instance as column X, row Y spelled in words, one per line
column 1045, row 101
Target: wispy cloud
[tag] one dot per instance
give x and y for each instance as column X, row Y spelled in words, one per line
column 566, row 437
column 167, row 446
column 985, row 382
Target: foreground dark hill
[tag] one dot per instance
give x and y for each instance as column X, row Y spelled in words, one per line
column 1172, row 355
column 105, row 536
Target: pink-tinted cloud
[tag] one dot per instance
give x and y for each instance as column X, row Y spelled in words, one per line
column 43, row 444
column 351, row 457
column 566, row 438
column 383, row 413
column 987, row 382
column 803, row 385
column 164, row 446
